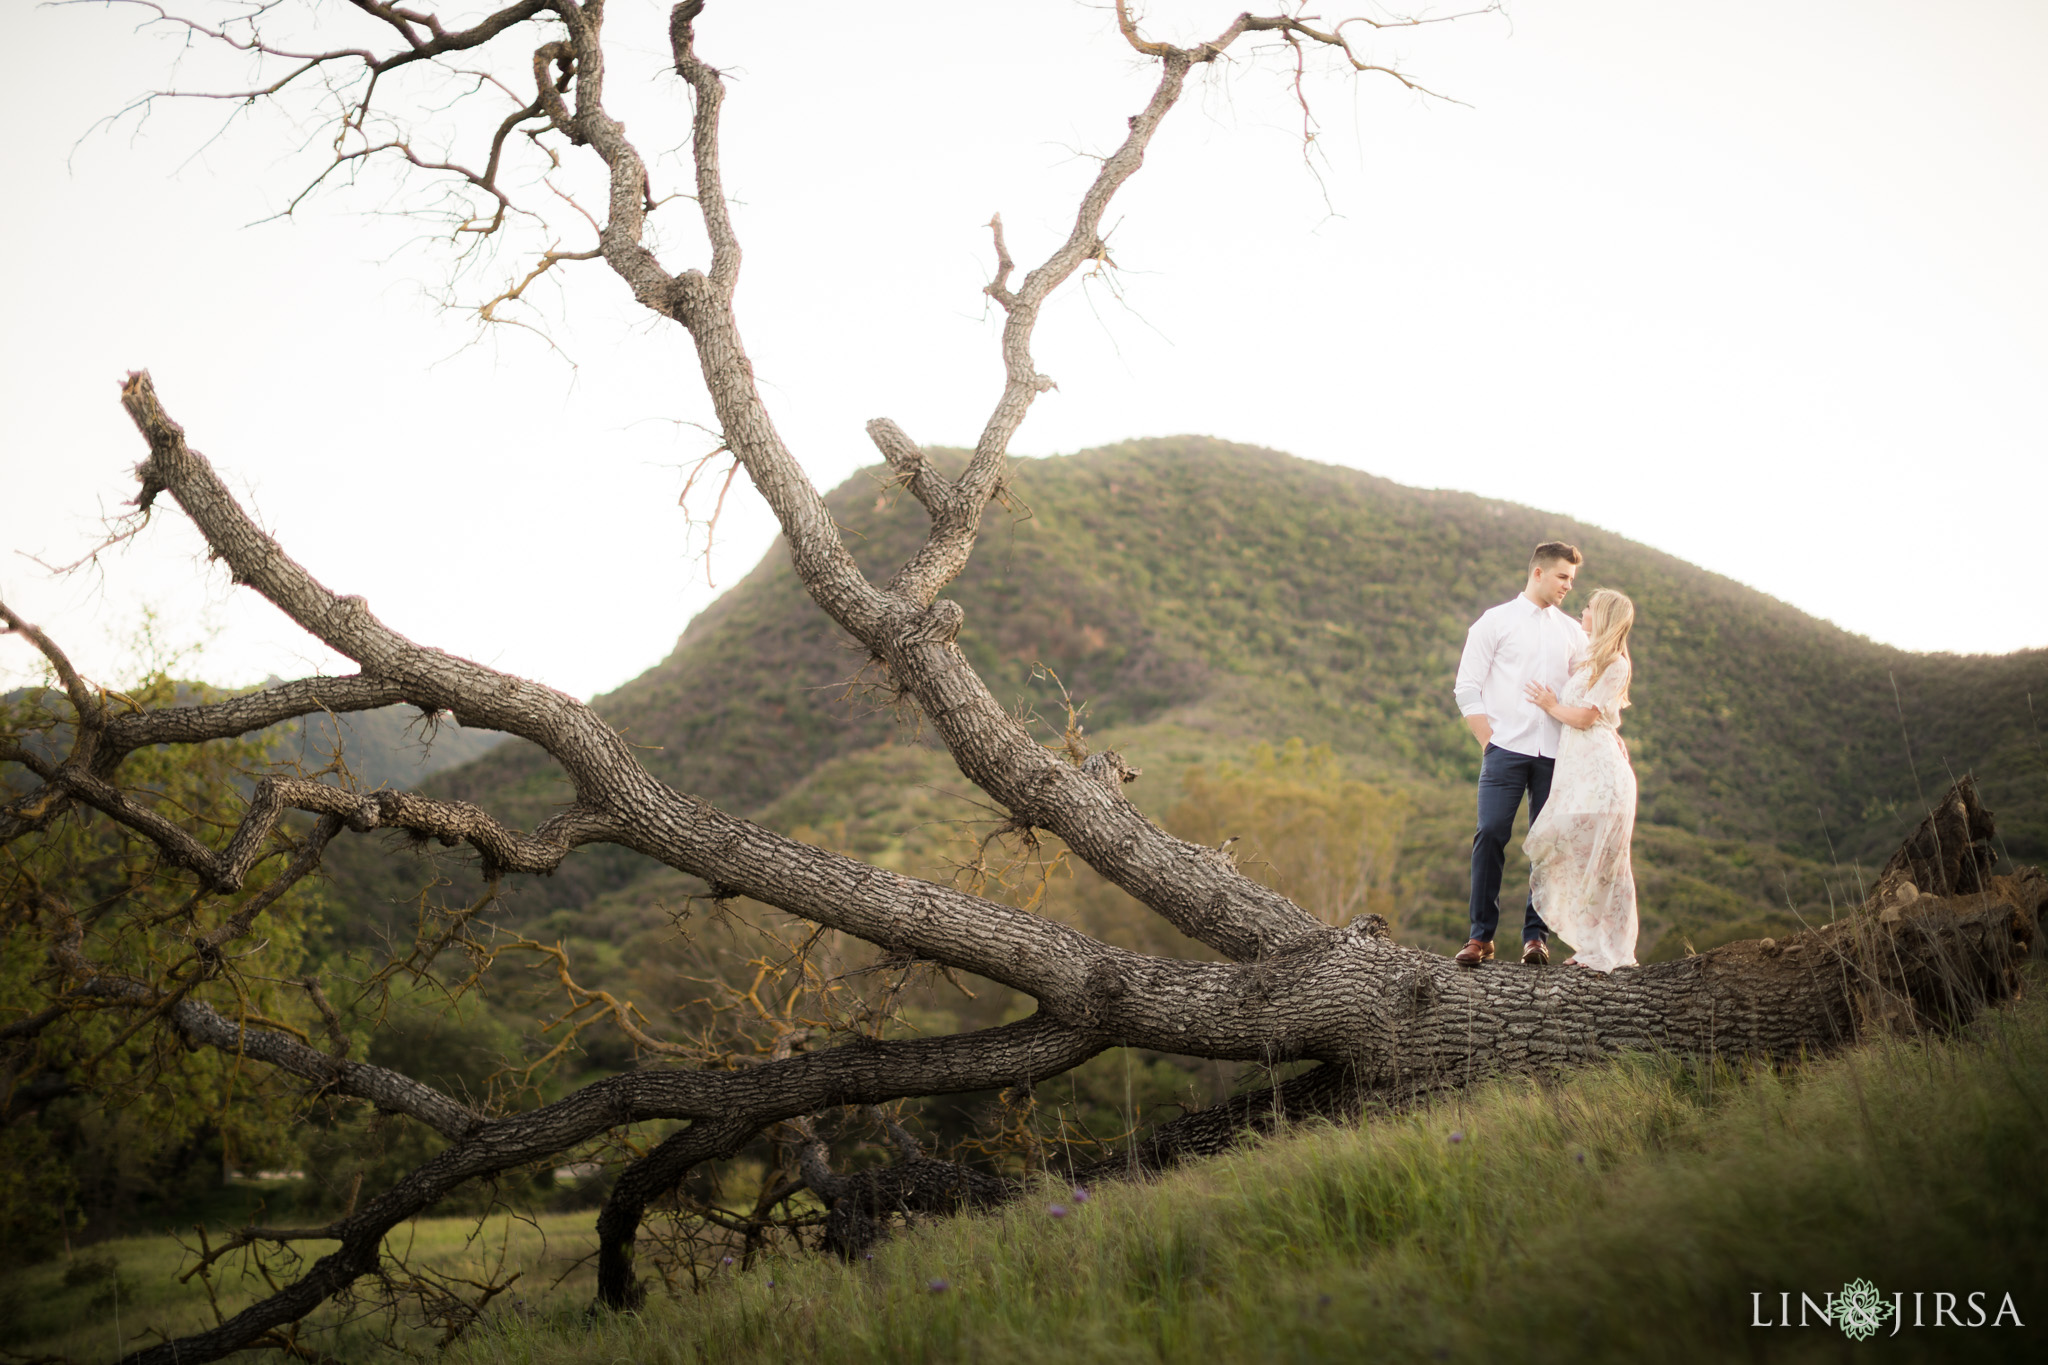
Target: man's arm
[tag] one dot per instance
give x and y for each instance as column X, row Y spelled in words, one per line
column 1481, row 643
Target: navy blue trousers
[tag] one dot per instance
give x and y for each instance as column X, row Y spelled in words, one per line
column 1503, row 776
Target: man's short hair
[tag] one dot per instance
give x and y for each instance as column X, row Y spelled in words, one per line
column 1551, row 551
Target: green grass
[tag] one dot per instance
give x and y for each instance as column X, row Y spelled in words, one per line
column 115, row 1296
column 1625, row 1214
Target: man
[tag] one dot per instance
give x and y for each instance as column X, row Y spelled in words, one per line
column 1527, row 640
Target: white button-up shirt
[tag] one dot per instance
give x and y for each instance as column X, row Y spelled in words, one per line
column 1511, row 646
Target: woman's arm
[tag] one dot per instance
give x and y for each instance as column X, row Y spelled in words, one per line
column 1578, row 717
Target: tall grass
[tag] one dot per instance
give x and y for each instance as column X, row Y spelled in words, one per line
column 1626, row 1213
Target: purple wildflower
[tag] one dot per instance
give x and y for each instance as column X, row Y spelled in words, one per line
column 1056, row 1210
column 1457, row 1137
column 939, row 1286
column 1579, row 1157
column 1080, row 1195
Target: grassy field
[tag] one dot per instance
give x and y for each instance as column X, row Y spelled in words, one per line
column 116, row 1296
column 1627, row 1214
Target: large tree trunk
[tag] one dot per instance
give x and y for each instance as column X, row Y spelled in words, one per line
column 1897, row 963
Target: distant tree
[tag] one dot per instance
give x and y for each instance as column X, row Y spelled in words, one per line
column 1295, row 822
column 1386, row 1024
column 105, row 1115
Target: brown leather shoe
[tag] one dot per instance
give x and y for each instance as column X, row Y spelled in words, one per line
column 1475, row 952
column 1535, row 953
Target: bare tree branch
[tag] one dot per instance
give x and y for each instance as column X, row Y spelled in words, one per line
column 249, row 712
column 202, row 1025
column 83, row 699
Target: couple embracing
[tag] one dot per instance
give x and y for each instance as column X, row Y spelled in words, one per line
column 1543, row 694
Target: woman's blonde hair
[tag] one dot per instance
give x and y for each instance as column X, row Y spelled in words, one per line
column 1609, row 616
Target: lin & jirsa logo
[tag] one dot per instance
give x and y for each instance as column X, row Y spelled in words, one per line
column 1861, row 1311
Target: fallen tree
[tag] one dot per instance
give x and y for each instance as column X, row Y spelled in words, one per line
column 1387, row 1024
column 1904, row 961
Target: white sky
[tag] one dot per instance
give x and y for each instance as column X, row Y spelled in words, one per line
column 1761, row 284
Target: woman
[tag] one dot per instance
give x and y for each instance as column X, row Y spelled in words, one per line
column 1580, row 876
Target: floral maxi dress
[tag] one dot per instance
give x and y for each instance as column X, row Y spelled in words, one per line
column 1579, row 872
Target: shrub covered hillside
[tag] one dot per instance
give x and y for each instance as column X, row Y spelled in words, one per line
column 1270, row 640
column 1273, row 642
column 1203, row 597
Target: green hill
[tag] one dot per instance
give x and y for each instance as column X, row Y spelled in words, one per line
column 1273, row 642
column 1203, row 597
column 391, row 747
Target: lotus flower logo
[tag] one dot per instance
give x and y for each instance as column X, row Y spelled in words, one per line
column 1860, row 1310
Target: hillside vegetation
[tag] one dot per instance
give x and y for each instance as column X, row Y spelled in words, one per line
column 1202, row 598
column 1272, row 642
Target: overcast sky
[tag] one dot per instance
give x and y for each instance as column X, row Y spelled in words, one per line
column 1760, row 284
